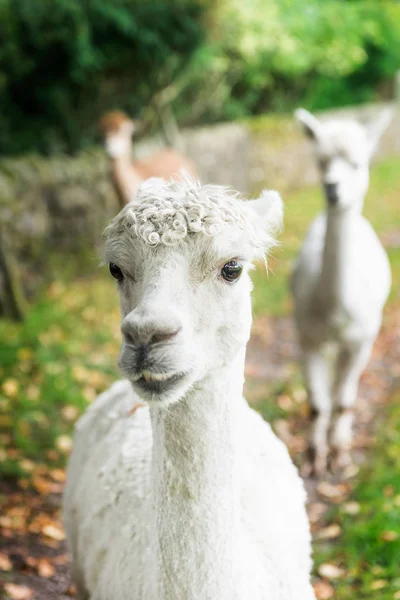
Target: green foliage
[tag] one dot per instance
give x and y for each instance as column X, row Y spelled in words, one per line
column 62, row 62
column 369, row 545
column 270, row 55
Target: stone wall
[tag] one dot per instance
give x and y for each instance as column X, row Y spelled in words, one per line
column 55, row 210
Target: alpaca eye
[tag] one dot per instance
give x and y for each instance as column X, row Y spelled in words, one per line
column 232, row 270
column 116, row 272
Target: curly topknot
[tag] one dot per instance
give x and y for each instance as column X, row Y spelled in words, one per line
column 166, row 212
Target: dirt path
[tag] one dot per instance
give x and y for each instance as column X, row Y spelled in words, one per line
column 32, row 548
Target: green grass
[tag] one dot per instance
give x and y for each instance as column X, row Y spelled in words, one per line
column 369, row 547
column 52, row 365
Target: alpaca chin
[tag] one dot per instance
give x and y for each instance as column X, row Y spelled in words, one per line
column 163, row 393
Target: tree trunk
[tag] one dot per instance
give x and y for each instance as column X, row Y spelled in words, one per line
column 12, row 301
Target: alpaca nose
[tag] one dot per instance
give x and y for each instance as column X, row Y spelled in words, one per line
column 138, row 331
column 331, row 193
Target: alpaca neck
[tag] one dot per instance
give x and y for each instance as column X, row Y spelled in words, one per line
column 126, row 178
column 195, row 477
column 336, row 264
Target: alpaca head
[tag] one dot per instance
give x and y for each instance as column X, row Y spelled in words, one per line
column 343, row 150
column 117, row 129
column 181, row 256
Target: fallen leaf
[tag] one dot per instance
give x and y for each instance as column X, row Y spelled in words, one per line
column 64, row 443
column 389, row 536
column 10, row 387
column 397, row 595
column 328, row 533
column 330, row 571
column 299, row 395
column 388, row 490
column 54, row 532
column 316, row 510
column 351, row 508
column 5, row 562
column 71, row 591
column 18, row 592
column 45, row 568
column 70, row 412
column 31, row 561
column 323, row 590
column 330, row 491
column 58, row 475
column 378, row 584
column 41, row 485
column 284, row 402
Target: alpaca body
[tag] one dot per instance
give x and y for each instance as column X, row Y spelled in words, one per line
column 111, row 525
column 347, row 309
column 191, row 497
column 340, row 284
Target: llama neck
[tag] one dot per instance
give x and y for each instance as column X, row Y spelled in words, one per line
column 126, row 178
column 336, row 265
column 195, row 477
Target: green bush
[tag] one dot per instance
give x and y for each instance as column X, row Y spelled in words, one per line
column 269, row 55
column 62, row 62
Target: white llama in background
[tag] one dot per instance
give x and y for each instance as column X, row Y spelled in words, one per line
column 340, row 283
column 191, row 497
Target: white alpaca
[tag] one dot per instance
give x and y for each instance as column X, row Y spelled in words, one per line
column 340, row 283
column 191, row 497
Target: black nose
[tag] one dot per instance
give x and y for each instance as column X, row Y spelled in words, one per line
column 331, row 193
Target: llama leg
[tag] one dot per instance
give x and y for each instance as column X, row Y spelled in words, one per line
column 81, row 593
column 316, row 376
column 350, row 364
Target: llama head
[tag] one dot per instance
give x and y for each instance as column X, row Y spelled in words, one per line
column 117, row 129
column 343, row 150
column 181, row 255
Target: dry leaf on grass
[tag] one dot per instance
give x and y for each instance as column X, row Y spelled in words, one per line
column 45, row 568
column 378, row 584
column 323, row 590
column 351, row 508
column 332, row 492
column 71, row 591
column 330, row 571
column 316, row 510
column 284, row 402
column 54, row 532
column 5, row 562
column 18, row 592
column 328, row 533
column 389, row 536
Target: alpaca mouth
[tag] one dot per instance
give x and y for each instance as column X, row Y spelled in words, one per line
column 156, row 382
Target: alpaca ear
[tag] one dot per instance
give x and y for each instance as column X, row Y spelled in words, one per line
column 310, row 124
column 376, row 128
column 269, row 211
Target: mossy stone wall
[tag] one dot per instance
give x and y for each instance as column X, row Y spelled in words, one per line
column 54, row 210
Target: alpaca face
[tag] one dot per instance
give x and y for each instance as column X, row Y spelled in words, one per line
column 343, row 150
column 181, row 256
column 117, row 129
column 118, row 141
